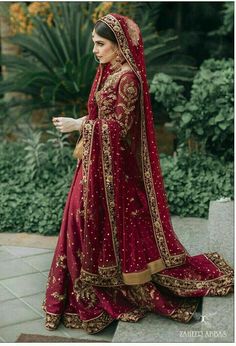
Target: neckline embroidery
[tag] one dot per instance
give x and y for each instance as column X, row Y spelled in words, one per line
column 111, row 76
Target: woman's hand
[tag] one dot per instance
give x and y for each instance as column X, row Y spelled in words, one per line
column 65, row 124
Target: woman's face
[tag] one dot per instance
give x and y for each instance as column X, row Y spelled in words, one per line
column 104, row 49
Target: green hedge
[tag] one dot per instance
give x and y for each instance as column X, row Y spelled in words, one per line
column 192, row 181
column 35, row 203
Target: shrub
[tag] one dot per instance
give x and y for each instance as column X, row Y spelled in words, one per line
column 32, row 203
column 207, row 117
column 192, row 181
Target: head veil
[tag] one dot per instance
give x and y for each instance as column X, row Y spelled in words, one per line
column 130, row 42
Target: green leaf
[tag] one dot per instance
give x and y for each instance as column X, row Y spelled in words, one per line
column 186, row 117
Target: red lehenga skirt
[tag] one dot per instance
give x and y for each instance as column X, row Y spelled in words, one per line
column 172, row 292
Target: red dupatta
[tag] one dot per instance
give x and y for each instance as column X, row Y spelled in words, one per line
column 102, row 170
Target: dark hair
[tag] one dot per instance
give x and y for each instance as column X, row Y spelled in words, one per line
column 104, row 31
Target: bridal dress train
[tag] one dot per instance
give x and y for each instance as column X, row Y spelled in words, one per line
column 117, row 256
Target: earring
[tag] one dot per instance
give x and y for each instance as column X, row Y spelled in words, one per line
column 119, row 60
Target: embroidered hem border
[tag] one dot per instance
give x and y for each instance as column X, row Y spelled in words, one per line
column 185, row 311
column 183, row 314
column 72, row 320
column 217, row 286
column 107, row 279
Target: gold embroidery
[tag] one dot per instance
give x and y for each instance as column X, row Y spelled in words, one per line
column 85, row 292
column 98, row 323
column 58, row 296
column 52, row 321
column 109, row 188
column 72, row 321
column 133, row 30
column 127, row 98
column 112, row 271
column 216, row 286
column 132, row 316
column 99, row 280
column 185, row 311
column 170, row 260
column 88, row 136
column 140, row 295
column 60, row 261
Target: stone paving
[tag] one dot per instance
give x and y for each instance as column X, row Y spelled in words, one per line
column 23, row 277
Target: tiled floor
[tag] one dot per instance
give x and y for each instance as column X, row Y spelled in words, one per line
column 23, row 277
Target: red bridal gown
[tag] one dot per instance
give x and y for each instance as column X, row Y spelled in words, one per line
column 82, row 289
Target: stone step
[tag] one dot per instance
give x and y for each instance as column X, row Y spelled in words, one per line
column 218, row 318
column 216, row 325
column 221, row 229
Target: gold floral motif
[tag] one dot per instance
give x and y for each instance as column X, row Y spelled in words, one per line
column 60, row 262
column 72, row 321
column 52, row 321
column 128, row 96
column 140, row 295
column 132, row 316
column 185, row 311
column 58, row 296
column 85, row 292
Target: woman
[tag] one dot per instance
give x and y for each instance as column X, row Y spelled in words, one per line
column 117, row 255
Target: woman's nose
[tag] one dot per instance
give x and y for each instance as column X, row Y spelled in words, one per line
column 94, row 50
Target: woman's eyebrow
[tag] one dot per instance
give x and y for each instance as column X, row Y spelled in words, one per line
column 98, row 41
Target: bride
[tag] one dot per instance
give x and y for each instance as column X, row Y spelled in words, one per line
column 117, row 255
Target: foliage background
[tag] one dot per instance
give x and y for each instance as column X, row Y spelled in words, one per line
column 47, row 68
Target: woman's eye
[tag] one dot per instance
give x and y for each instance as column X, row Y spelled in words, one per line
column 100, row 44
